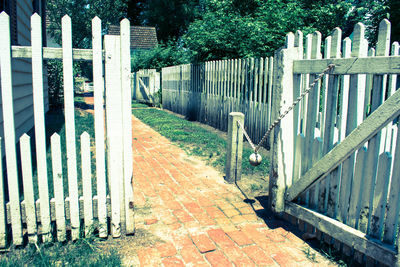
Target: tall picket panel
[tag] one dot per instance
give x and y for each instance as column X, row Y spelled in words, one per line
column 69, row 111
column 98, row 84
column 9, row 126
column 40, row 132
column 127, row 124
column 114, row 124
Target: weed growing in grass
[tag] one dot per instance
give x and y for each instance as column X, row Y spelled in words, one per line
column 194, row 139
column 310, row 254
column 333, row 255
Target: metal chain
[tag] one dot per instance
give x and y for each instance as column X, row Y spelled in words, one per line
column 302, row 95
column 247, row 136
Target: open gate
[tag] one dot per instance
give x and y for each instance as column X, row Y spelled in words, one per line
column 146, row 84
column 336, row 158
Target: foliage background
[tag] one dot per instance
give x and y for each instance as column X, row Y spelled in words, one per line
column 201, row 30
column 220, row 29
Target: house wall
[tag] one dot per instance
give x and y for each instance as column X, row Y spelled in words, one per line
column 22, row 74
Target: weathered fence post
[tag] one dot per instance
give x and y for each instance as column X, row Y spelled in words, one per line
column 282, row 146
column 233, row 166
column 114, row 128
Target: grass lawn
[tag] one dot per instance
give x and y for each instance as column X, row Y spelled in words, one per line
column 202, row 142
column 87, row 251
column 83, row 252
column 55, row 123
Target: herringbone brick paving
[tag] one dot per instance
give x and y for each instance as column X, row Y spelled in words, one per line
column 199, row 219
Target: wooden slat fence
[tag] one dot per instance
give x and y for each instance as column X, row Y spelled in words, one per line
column 335, row 161
column 146, row 85
column 21, row 213
column 208, row 92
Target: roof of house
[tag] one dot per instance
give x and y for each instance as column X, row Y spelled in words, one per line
column 141, row 37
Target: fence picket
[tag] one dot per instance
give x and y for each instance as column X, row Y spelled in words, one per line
column 98, row 84
column 70, row 125
column 380, row 195
column 9, row 126
column 297, row 157
column 40, row 132
column 127, row 124
column 58, row 186
column 312, row 109
column 344, row 93
column 114, row 124
column 374, row 144
column 328, row 121
column 3, row 215
column 354, row 206
column 392, row 88
column 393, row 203
column 317, row 154
column 29, row 200
column 355, row 107
column 86, row 182
column 270, row 88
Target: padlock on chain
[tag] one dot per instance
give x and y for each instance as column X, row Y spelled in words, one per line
column 255, row 159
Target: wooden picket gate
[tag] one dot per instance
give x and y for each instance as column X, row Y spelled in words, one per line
column 20, row 212
column 145, row 85
column 336, row 158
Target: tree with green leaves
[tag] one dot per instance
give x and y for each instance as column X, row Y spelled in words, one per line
column 82, row 12
column 235, row 28
column 170, row 17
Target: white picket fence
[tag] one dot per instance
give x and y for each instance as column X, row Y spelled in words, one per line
column 209, row 91
column 145, row 85
column 336, row 157
column 22, row 214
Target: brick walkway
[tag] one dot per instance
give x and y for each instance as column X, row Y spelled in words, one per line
column 197, row 218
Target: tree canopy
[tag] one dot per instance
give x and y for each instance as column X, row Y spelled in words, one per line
column 216, row 29
column 82, row 12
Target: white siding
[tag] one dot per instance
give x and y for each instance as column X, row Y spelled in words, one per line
column 22, row 76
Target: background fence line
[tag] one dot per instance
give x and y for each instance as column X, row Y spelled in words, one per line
column 208, row 92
